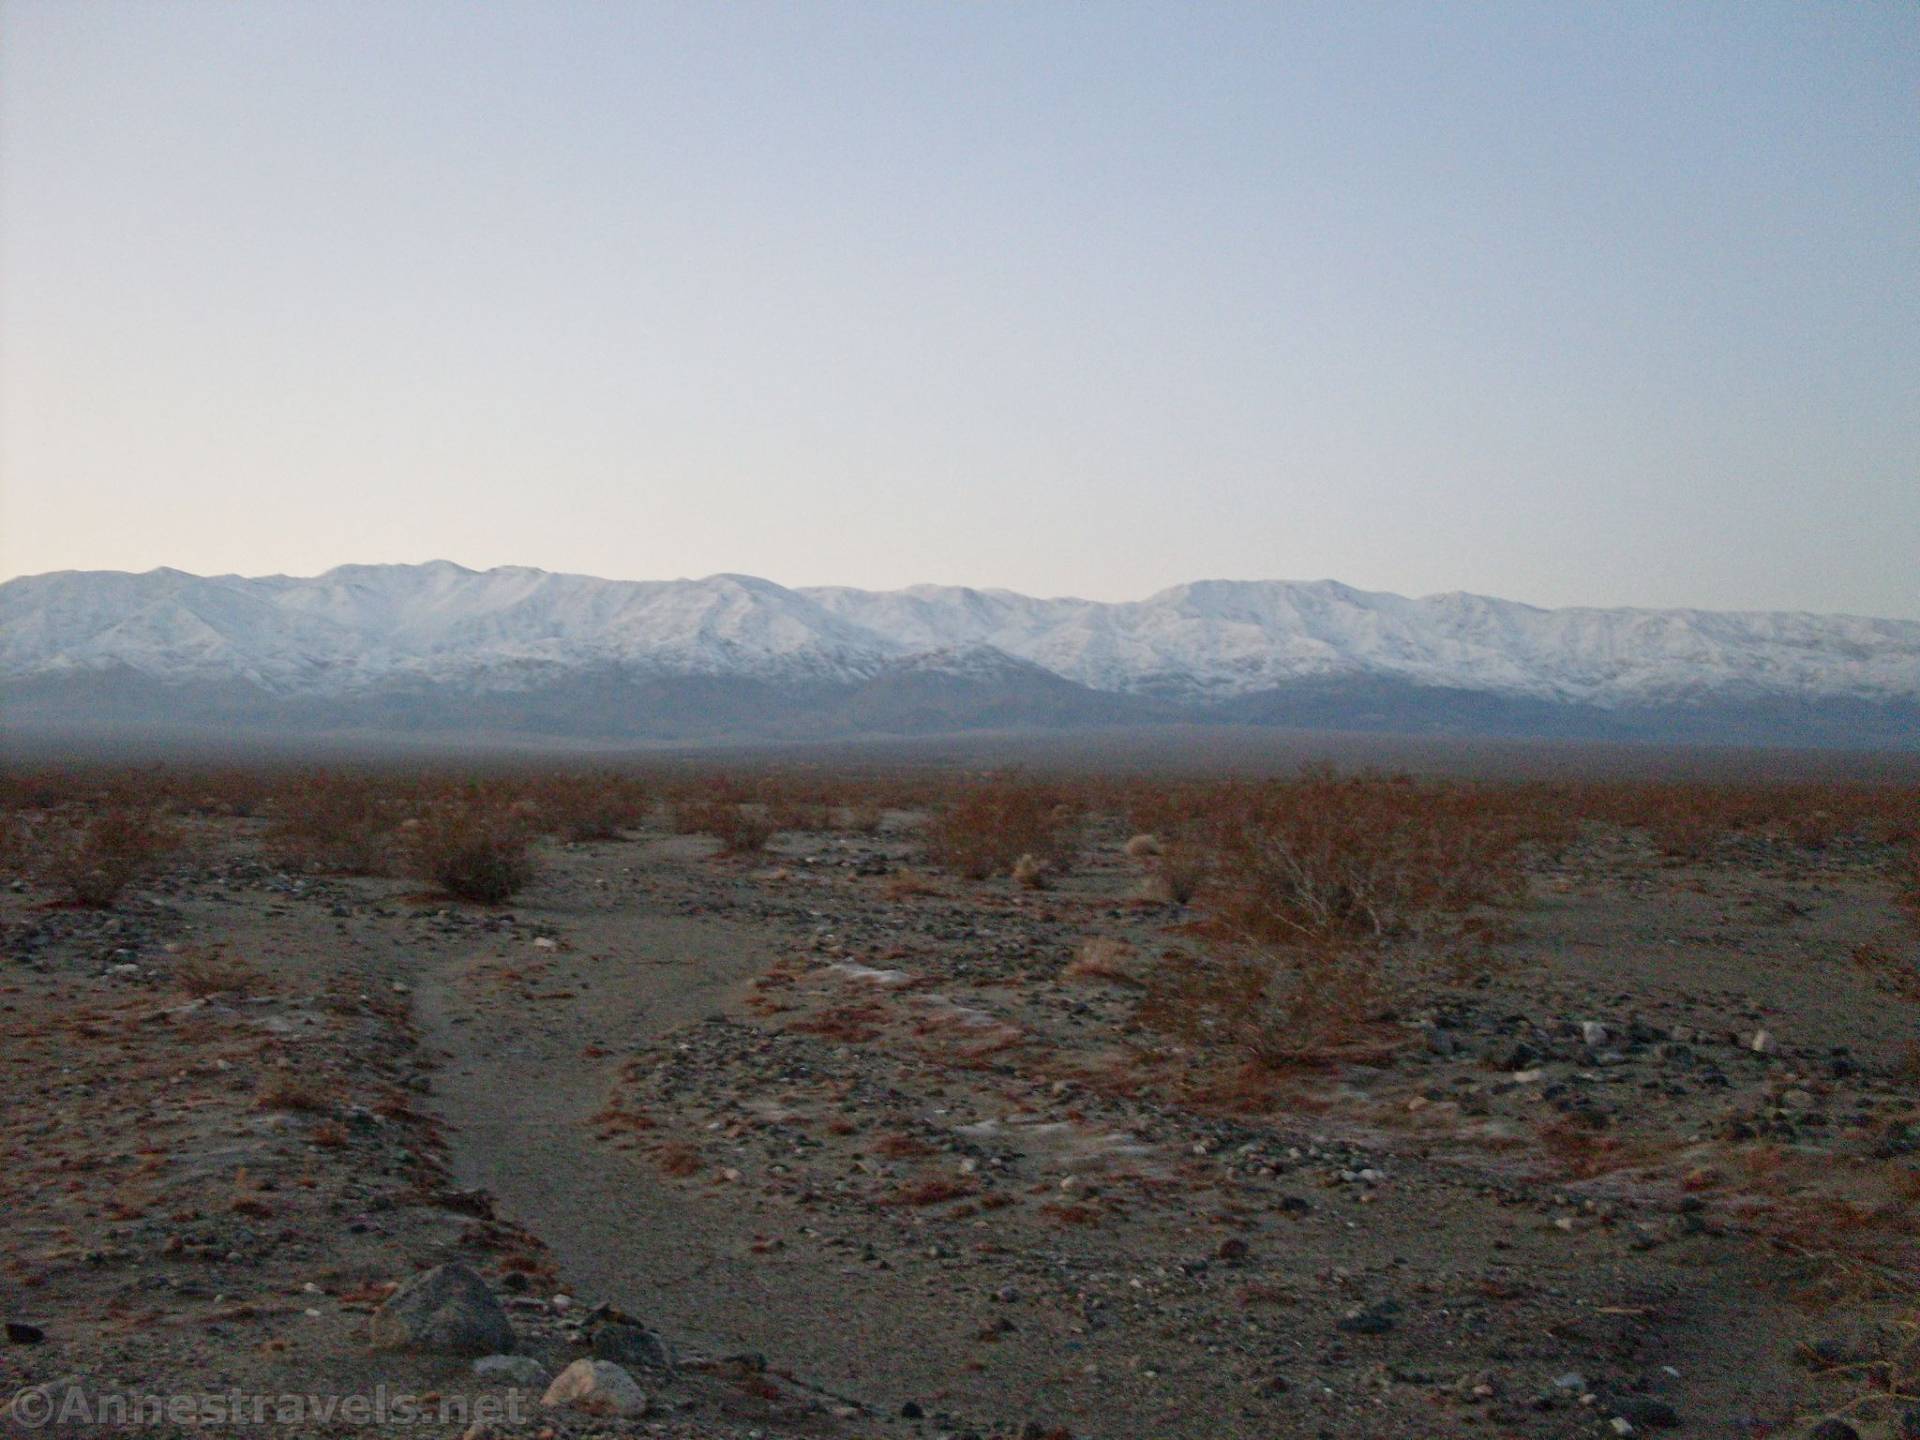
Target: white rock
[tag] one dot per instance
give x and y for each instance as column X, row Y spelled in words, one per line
column 597, row 1385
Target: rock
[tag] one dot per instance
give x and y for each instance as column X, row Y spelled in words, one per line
column 447, row 1309
column 1592, row 1032
column 1374, row 1321
column 629, row 1344
column 1762, row 1043
column 522, row 1370
column 1517, row 1056
column 1643, row 1412
column 19, row 1332
column 597, row 1385
column 1833, row 1429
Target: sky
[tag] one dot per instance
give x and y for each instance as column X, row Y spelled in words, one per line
column 1573, row 304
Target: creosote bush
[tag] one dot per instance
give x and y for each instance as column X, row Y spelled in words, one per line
column 990, row 828
column 339, row 824
column 1273, row 1007
column 1337, row 860
column 741, row 829
column 91, row 858
column 472, row 848
column 1319, row 891
column 582, row 808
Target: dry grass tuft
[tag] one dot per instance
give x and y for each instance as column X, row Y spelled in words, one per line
column 1101, row 958
column 1030, row 872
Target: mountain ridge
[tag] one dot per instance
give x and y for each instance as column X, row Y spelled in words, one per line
column 1206, row 647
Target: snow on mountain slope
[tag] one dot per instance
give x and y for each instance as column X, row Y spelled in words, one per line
column 359, row 626
column 1215, row 639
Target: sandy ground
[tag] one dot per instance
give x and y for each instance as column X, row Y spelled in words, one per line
column 876, row 1161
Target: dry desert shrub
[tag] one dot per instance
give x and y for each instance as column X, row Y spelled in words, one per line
column 799, row 812
column 581, row 808
column 1322, row 893
column 741, row 829
column 1330, row 859
column 207, row 972
column 340, row 824
column 1688, row 820
column 473, row 848
column 687, row 813
column 989, row 827
column 92, row 857
column 1273, row 1007
column 1179, row 872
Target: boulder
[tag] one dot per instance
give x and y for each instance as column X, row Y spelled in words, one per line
column 625, row 1343
column 447, row 1309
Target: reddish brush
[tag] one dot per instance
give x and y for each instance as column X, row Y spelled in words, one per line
column 928, row 1192
column 473, row 849
column 92, row 859
column 989, row 828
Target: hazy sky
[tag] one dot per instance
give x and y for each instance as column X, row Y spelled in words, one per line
column 1573, row 303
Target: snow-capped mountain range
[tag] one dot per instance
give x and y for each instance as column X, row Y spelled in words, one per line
column 359, row 630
